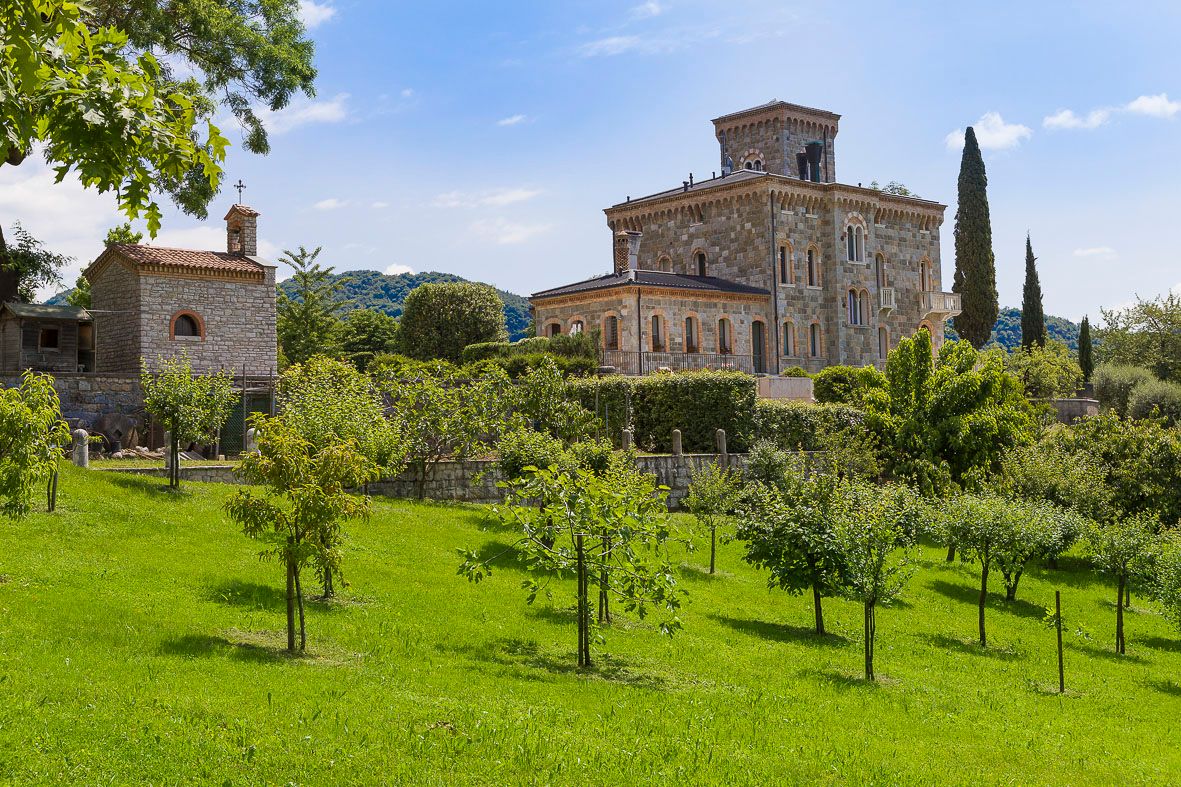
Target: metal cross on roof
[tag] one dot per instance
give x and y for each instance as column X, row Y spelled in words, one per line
column 240, row 186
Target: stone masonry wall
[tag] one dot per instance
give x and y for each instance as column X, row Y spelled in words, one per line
column 115, row 300
column 87, row 397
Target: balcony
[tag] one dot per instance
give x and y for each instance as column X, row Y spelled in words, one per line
column 888, row 299
column 940, row 305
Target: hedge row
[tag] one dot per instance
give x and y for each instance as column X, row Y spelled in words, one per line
column 698, row 403
column 801, row 426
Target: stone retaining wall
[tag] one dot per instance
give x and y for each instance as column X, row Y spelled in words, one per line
column 87, row 397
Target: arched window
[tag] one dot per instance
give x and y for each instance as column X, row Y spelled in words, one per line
column 789, row 339
column 665, row 264
column 853, row 304
column 863, row 312
column 786, row 274
column 813, row 269
column 555, row 329
column 725, row 345
column 758, row 166
column 188, row 325
column 691, row 344
column 750, row 165
column 879, row 272
column 855, row 243
column 657, row 334
column 701, row 263
column 883, row 343
column 576, row 327
column 814, row 340
column 611, row 332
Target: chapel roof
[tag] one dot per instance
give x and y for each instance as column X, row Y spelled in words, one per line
column 644, row 278
column 164, row 260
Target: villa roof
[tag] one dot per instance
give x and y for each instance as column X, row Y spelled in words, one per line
column 643, row 278
column 43, row 311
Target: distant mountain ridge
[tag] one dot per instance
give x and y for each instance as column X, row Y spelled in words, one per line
column 1007, row 331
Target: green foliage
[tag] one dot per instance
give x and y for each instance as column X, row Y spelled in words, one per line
column 609, row 531
column 1123, row 548
column 712, row 496
column 80, row 295
column 301, row 506
column 1046, row 370
column 520, row 449
column 975, row 265
column 1148, row 334
column 326, row 401
column 576, row 355
column 439, row 320
column 32, row 434
column 73, row 89
column 893, row 187
column 308, row 319
column 1033, row 316
column 1166, row 579
column 1114, row 384
column 1006, row 332
column 1156, row 399
column 802, row 426
column 698, row 403
column 1086, row 349
column 946, row 422
column 192, row 407
column 846, row 384
column 542, row 398
column 794, row 371
column 26, row 266
column 365, row 334
column 387, row 293
column 123, row 234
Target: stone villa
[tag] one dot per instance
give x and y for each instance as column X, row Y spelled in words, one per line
column 770, row 264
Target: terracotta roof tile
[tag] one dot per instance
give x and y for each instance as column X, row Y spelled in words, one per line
column 188, row 258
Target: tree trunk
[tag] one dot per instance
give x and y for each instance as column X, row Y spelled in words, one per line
column 1127, row 596
column 604, row 599
column 951, row 553
column 303, row 632
column 817, row 608
column 290, row 602
column 1011, row 582
column 422, row 479
column 51, row 492
column 174, row 477
column 870, row 633
column 713, row 546
column 329, row 590
column 1119, row 615
column 983, row 598
column 583, row 606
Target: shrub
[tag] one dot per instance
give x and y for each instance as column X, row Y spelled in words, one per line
column 520, row 365
column 526, row 448
column 440, row 319
column 769, row 465
column 698, row 403
column 846, row 384
column 595, row 456
column 530, row 344
column 801, row 425
column 1156, row 399
column 794, row 371
column 482, row 351
column 1114, row 384
column 576, row 345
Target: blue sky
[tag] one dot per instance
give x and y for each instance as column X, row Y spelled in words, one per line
column 484, row 139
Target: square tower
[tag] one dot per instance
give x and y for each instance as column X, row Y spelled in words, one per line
column 780, row 138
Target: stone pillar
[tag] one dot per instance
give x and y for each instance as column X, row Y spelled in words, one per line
column 80, row 455
column 626, row 442
column 251, row 441
column 723, row 454
column 677, row 442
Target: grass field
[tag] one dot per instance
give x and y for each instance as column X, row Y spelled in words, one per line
column 140, row 636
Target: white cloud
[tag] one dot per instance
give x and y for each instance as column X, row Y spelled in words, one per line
column 396, row 269
column 513, row 120
column 305, row 112
column 619, row 45
column 332, row 203
column 1156, row 106
column 315, row 14
column 498, row 198
column 1065, row 118
column 647, row 10
column 506, row 233
column 407, row 92
column 992, row 132
column 379, row 205
column 1105, row 252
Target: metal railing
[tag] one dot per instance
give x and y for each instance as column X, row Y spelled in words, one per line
column 634, row 363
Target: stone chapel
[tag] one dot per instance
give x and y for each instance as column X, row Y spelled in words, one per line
column 153, row 302
column 769, row 264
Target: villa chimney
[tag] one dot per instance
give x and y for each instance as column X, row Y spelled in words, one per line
column 815, row 150
column 627, row 250
column 242, row 231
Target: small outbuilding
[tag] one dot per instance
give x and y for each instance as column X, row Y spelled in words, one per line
column 45, row 338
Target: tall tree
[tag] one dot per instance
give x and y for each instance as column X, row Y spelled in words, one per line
column 439, row 320
column 975, row 265
column 367, row 333
column 26, row 266
column 1086, row 359
column 1033, row 317
column 1147, row 333
column 308, row 324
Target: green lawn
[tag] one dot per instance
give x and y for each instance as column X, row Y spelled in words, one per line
column 139, row 638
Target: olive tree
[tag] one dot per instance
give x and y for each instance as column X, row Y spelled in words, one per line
column 608, row 530
column 303, row 500
column 713, row 493
column 32, row 433
column 188, row 406
column 874, row 533
column 1122, row 548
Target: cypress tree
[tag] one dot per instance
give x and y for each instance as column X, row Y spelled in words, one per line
column 1033, row 317
column 1085, row 361
column 975, row 266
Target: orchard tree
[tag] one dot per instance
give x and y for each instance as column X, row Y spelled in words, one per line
column 365, row 334
column 32, row 434
column 1046, row 370
column 439, row 320
column 874, row 534
column 975, row 265
column 976, row 525
column 713, row 494
column 328, row 402
column 1124, row 549
column 543, row 399
column 1033, row 315
column 302, row 503
column 606, row 530
column 308, row 321
column 70, row 89
column 189, row 406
